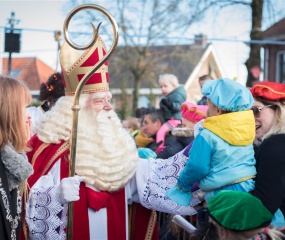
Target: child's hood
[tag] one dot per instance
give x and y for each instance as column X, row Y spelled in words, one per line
column 236, row 128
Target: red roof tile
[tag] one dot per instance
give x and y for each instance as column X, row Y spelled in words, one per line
column 31, row 70
column 276, row 31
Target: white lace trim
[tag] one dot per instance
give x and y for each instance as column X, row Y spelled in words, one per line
column 163, row 175
column 45, row 215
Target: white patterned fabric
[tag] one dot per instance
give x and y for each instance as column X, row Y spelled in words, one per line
column 159, row 176
column 45, row 216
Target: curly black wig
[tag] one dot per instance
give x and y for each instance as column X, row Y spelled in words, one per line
column 52, row 89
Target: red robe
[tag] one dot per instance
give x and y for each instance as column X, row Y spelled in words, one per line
column 43, row 156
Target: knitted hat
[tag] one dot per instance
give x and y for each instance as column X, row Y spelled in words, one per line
column 192, row 112
column 237, row 210
column 269, row 90
column 228, row 95
column 75, row 66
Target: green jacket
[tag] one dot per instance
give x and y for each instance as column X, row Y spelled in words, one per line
column 170, row 104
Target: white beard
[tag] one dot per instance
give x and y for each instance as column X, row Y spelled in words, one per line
column 106, row 154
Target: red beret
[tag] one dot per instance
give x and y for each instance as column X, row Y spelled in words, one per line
column 272, row 91
column 192, row 112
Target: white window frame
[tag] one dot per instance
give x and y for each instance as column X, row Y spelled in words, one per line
column 277, row 67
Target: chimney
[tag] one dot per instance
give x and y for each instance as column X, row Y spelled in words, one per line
column 200, row 40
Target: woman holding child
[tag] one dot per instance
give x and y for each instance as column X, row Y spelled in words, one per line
column 269, row 113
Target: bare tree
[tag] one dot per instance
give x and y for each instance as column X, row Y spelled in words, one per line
column 255, row 34
column 258, row 9
column 147, row 23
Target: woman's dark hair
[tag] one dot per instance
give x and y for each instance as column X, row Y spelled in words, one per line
column 154, row 114
column 140, row 112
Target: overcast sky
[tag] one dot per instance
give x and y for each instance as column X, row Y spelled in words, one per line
column 40, row 18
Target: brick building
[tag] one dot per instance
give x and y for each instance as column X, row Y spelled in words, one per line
column 274, row 54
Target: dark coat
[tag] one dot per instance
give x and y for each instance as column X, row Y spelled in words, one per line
column 170, row 104
column 202, row 101
column 178, row 143
column 153, row 145
column 5, row 226
column 270, row 178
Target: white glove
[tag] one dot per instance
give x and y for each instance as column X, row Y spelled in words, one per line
column 69, row 189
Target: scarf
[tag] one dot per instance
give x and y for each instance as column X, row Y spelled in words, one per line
column 17, row 167
column 141, row 140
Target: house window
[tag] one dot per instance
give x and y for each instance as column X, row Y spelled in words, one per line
column 280, row 67
column 15, row 73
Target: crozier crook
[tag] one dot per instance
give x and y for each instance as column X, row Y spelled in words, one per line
column 76, row 107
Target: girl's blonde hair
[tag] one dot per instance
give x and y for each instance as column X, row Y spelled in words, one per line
column 169, row 78
column 14, row 97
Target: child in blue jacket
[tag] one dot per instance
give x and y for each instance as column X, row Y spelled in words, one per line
column 222, row 155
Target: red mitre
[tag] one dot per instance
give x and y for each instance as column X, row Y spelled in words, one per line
column 272, row 91
column 75, row 66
